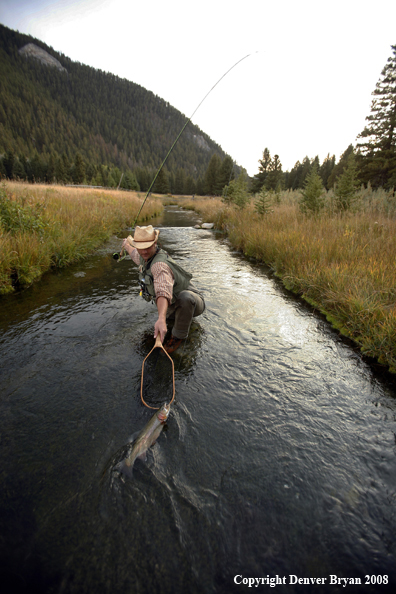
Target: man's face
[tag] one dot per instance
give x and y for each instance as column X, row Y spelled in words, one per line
column 148, row 252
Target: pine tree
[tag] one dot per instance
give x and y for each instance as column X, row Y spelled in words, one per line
column 78, row 169
column 264, row 167
column 161, row 185
column 180, row 180
column 274, row 177
column 190, row 186
column 339, row 168
column 8, row 163
column 212, row 175
column 377, row 146
column 60, row 170
column 326, row 169
column 237, row 191
column 226, row 173
column 347, row 185
column 51, row 169
column 2, row 168
column 263, row 202
column 19, row 170
column 312, row 196
column 293, row 178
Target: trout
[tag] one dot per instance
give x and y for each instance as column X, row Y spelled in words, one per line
column 146, row 438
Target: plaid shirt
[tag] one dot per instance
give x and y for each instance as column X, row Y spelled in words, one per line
column 162, row 275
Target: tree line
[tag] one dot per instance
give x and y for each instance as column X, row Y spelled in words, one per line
column 372, row 159
column 62, row 170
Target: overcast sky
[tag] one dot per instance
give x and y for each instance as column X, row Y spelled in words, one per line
column 305, row 89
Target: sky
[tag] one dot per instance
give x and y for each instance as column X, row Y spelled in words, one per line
column 304, row 89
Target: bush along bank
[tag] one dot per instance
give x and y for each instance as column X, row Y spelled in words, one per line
column 52, row 226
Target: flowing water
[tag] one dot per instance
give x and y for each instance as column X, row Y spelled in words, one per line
column 278, row 457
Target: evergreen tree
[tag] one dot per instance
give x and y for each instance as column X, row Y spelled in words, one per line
column 260, row 178
column 226, row 173
column 212, row 176
column 274, row 177
column 66, row 168
column 294, row 177
column 90, row 172
column 306, row 169
column 36, row 172
column 129, row 182
column 144, row 178
column 60, row 171
column 237, row 191
column 377, row 144
column 161, row 185
column 19, row 170
column 180, row 180
column 200, row 187
column 8, row 163
column 263, row 202
column 190, row 186
column 51, row 169
column 339, row 168
column 347, row 185
column 312, row 196
column 326, row 169
column 78, row 169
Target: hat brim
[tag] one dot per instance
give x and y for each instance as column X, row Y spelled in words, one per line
column 143, row 245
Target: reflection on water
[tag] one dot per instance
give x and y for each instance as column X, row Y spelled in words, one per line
column 278, row 456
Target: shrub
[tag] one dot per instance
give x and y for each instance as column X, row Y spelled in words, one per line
column 21, row 215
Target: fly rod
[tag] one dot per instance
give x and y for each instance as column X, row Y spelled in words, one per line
column 120, row 256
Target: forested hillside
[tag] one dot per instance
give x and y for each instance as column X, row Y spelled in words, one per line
column 78, row 123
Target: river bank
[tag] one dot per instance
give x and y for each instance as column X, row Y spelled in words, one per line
column 343, row 265
column 44, row 227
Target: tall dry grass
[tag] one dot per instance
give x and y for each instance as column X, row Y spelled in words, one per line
column 344, row 265
column 75, row 222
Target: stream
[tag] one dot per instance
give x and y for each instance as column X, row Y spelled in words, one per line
column 277, row 461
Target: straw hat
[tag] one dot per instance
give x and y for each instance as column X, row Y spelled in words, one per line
column 144, row 237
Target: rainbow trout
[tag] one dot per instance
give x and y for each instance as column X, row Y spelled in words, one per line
column 146, row 438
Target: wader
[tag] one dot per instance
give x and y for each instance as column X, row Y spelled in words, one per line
column 187, row 302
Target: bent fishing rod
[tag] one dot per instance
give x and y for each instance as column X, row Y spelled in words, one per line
column 121, row 255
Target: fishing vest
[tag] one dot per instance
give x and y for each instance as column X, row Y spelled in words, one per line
column 146, row 279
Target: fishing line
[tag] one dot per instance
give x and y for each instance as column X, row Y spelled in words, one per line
column 120, row 256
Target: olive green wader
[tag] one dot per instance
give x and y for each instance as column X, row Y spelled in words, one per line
column 187, row 302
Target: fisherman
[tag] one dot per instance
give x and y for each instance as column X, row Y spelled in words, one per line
column 162, row 280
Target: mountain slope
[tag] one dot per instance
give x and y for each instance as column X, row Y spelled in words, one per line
column 75, row 108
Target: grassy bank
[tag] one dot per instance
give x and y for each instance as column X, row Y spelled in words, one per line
column 53, row 226
column 344, row 265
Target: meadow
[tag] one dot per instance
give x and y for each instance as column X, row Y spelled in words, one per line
column 344, row 264
column 42, row 227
